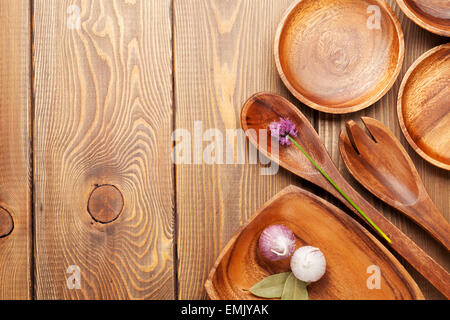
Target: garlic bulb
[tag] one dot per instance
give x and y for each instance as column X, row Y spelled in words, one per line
column 308, row 264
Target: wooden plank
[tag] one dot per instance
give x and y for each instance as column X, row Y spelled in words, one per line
column 15, row 155
column 223, row 54
column 417, row 41
column 104, row 117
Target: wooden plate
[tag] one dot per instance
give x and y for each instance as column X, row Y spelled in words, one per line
column 333, row 57
column 432, row 15
column 424, row 106
column 348, row 248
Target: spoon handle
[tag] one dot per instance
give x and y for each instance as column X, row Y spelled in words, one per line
column 403, row 245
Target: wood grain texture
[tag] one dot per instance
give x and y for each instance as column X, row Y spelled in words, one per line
column 339, row 56
column 315, row 222
column 223, row 54
column 15, row 164
column 423, row 106
column 437, row 181
column 103, row 117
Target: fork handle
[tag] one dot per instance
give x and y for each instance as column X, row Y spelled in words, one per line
column 431, row 219
column 402, row 244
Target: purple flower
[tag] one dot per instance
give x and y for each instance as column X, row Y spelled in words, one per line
column 282, row 130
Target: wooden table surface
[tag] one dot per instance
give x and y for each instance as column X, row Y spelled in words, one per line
column 97, row 105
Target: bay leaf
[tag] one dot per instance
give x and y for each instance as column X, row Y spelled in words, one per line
column 270, row 287
column 294, row 289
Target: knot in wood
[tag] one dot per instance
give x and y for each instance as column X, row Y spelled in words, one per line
column 105, row 203
column 6, row 223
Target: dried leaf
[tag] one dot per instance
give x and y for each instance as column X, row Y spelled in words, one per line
column 294, row 289
column 270, row 287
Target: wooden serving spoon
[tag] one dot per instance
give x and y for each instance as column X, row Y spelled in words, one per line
column 380, row 163
column 264, row 108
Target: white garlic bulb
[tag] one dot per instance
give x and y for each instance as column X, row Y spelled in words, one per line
column 308, row 264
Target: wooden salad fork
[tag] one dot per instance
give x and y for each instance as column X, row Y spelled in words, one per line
column 380, row 163
column 264, row 108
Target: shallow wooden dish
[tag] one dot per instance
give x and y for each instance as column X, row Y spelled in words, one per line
column 348, row 248
column 432, row 15
column 330, row 59
column 424, row 106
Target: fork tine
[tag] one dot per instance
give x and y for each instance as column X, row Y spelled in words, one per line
column 346, row 146
column 360, row 139
column 376, row 128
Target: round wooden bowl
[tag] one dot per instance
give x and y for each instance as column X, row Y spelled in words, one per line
column 432, row 15
column 424, row 106
column 334, row 56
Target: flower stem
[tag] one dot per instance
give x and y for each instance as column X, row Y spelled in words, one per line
column 340, row 191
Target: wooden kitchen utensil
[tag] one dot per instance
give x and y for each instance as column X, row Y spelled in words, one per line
column 381, row 164
column 432, row 15
column 339, row 56
column 423, row 106
column 264, row 108
column 349, row 250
